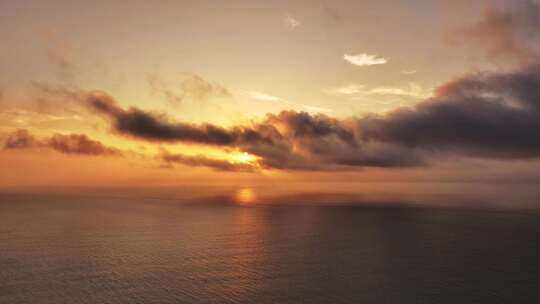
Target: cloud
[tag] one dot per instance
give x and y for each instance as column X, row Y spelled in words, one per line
column 157, row 127
column 411, row 90
column 158, row 86
column 263, row 96
column 488, row 115
column 356, row 90
column 79, row 144
column 203, row 161
column 492, row 115
column 191, row 87
column 330, row 13
column 408, row 72
column 364, row 59
column 200, row 89
column 290, row 22
column 288, row 140
column 314, row 109
column 513, row 36
column 59, row 53
column 318, row 142
column 22, row 118
column 20, row 139
column 351, row 89
column 68, row 144
column 83, row 145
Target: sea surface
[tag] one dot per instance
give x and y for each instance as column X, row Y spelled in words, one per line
column 70, row 249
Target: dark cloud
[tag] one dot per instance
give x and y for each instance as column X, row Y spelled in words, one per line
column 157, row 127
column 288, row 140
column 504, row 35
column 68, row 144
column 490, row 115
column 495, row 115
column 318, row 142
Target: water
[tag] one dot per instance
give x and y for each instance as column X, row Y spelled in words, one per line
column 98, row 250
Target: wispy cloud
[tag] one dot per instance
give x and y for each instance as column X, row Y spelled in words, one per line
column 264, row 97
column 504, row 35
column 68, row 60
column 20, row 118
column 314, row 109
column 59, row 53
column 409, row 72
column 356, row 90
column 191, row 87
column 351, row 89
column 411, row 90
column 291, row 22
column 364, row 59
column 331, row 13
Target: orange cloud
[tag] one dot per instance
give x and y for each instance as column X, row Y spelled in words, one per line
column 509, row 36
column 68, row 144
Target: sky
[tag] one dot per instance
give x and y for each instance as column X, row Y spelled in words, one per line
column 280, row 93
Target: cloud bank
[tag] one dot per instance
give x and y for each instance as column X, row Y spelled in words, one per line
column 288, row 140
column 490, row 115
column 493, row 115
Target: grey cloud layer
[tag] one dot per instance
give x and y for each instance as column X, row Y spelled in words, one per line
column 488, row 115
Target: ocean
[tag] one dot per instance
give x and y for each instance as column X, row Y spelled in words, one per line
column 91, row 249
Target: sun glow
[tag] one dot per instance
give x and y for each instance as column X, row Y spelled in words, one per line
column 243, row 158
column 245, row 196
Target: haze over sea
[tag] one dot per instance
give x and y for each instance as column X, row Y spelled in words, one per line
column 93, row 247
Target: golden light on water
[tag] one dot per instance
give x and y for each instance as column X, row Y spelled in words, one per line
column 245, row 196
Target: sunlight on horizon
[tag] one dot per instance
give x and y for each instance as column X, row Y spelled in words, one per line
column 245, row 196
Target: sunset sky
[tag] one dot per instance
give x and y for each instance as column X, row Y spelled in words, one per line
column 270, row 92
